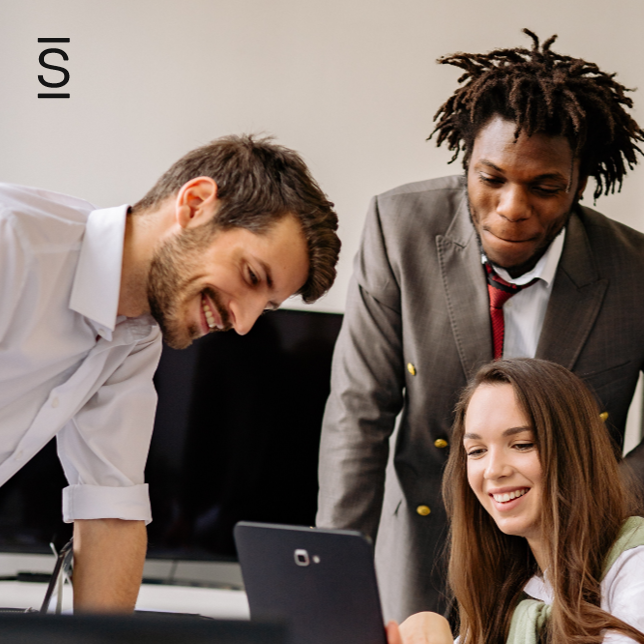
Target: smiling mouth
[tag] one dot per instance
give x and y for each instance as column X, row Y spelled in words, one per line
column 510, row 496
column 213, row 319
column 510, row 241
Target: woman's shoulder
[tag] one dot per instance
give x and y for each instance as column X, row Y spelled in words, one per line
column 622, row 588
column 630, row 536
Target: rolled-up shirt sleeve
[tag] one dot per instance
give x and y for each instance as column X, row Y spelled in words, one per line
column 104, row 447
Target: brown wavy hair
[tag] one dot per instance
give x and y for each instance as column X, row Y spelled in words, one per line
column 258, row 183
column 585, row 502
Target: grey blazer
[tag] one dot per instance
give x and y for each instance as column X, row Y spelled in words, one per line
column 416, row 328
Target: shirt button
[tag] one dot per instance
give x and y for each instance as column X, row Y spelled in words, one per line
column 55, row 402
column 17, row 456
column 423, row 510
column 441, row 443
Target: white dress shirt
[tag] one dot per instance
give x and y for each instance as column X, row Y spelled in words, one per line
column 69, row 367
column 524, row 312
column 622, row 592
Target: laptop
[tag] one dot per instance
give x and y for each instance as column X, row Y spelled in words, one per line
column 134, row 629
column 321, row 583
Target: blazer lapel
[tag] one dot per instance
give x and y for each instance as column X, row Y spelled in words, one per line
column 575, row 301
column 465, row 289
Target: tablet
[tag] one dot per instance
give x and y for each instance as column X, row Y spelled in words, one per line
column 321, row 583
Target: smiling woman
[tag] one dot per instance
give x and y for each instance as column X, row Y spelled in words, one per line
column 503, row 466
column 543, row 544
column 532, row 425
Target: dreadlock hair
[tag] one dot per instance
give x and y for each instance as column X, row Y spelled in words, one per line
column 544, row 92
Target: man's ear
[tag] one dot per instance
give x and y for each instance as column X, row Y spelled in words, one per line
column 196, row 202
column 583, row 181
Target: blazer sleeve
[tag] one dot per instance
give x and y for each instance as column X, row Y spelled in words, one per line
column 366, row 391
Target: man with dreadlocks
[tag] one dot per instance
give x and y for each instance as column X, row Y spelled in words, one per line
column 429, row 300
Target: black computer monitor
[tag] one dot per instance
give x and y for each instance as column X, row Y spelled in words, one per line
column 236, row 438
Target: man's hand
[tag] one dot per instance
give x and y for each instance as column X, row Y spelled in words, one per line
column 108, row 564
column 421, row 628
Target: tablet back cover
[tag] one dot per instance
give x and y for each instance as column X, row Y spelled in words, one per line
column 322, row 583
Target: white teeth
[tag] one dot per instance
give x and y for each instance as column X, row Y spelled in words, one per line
column 508, row 496
column 210, row 318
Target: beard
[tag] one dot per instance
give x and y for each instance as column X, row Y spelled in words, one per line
column 171, row 285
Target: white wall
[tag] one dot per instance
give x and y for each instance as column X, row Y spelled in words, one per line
column 351, row 84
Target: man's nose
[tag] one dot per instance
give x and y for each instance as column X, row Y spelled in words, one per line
column 246, row 312
column 513, row 203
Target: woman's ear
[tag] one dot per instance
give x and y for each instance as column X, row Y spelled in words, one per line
column 196, row 202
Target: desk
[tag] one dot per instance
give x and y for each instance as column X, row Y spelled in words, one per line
column 211, row 602
column 223, row 603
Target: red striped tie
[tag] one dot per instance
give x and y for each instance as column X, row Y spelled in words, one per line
column 500, row 292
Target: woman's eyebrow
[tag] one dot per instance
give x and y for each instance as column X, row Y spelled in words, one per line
column 516, row 430
column 508, row 432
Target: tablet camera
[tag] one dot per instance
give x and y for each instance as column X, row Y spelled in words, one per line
column 302, row 557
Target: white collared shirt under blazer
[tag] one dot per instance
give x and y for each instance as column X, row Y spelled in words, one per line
column 525, row 312
column 69, row 367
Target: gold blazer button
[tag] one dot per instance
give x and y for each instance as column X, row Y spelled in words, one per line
column 411, row 368
column 423, row 510
column 604, row 416
column 441, row 443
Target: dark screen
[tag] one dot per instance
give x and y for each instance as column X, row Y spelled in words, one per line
column 236, row 437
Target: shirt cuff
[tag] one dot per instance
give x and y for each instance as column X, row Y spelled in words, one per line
column 131, row 503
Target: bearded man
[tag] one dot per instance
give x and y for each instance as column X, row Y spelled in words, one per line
column 429, row 301
column 230, row 230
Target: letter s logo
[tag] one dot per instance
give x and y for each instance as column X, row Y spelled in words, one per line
column 42, row 61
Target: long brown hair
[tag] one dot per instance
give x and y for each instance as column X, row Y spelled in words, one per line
column 584, row 505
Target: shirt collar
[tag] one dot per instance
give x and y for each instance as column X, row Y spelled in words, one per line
column 545, row 268
column 97, row 282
